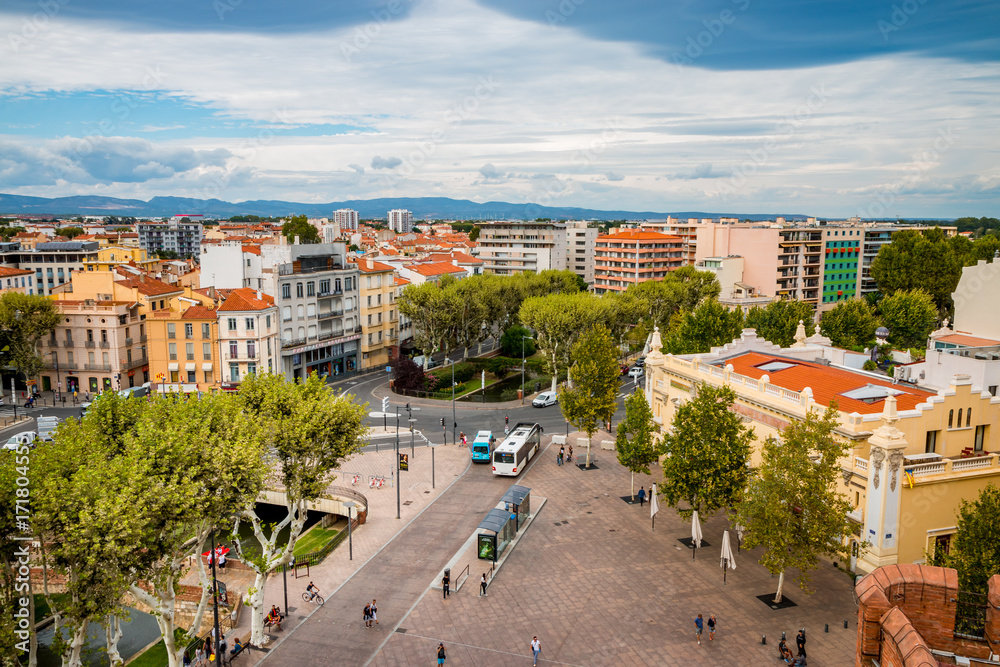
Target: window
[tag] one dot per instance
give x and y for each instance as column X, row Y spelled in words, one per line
column 286, row 291
column 951, row 417
column 298, row 290
column 267, row 321
column 90, row 335
column 173, row 376
column 931, row 443
column 104, row 335
column 232, row 323
column 191, row 377
column 369, row 300
column 324, row 287
column 234, row 372
column 300, row 312
column 251, row 369
column 980, row 438
column 993, row 390
column 252, row 349
column 189, row 351
column 90, row 359
column 310, row 288
column 286, row 314
column 173, row 351
column 250, row 323
column 206, row 351
column 69, row 357
column 968, row 418
column 206, row 330
column 104, row 359
column 208, row 376
column 234, row 350
column 959, row 424
column 189, row 331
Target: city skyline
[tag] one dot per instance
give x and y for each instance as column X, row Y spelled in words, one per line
column 848, row 110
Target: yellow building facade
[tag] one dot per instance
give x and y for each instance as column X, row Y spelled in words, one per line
column 111, row 256
column 379, row 314
column 915, row 455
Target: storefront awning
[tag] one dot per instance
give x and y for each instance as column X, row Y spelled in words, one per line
column 173, row 367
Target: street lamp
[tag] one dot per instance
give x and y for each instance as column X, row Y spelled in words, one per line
column 523, row 338
column 454, row 419
column 350, row 519
column 215, row 607
column 397, row 461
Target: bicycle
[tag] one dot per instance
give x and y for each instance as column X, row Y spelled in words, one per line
column 310, row 597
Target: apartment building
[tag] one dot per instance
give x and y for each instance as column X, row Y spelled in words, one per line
column 914, row 454
column 53, row 263
column 842, row 250
column 632, row 257
column 175, row 235
column 877, row 236
column 581, row 243
column 399, row 220
column 21, row 281
column 98, row 345
column 509, row 247
column 686, row 229
column 108, row 257
column 379, row 315
column 248, row 336
column 183, row 347
column 347, row 218
column 733, row 292
column 318, row 299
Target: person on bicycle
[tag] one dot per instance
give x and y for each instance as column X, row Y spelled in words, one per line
column 313, row 591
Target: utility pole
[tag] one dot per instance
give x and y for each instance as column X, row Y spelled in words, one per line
column 397, row 461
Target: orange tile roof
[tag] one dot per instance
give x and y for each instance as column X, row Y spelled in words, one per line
column 402, row 281
column 8, row 272
column 377, row 267
column 252, row 249
column 200, row 313
column 435, row 268
column 639, row 236
column 149, row 286
column 827, row 384
column 967, row 340
column 244, row 299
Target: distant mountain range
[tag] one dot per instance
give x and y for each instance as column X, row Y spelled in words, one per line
column 424, row 208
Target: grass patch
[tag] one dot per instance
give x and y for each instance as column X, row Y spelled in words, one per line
column 314, row 540
column 156, row 655
column 42, row 610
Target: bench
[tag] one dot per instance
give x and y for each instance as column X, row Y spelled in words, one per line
column 270, row 624
column 229, row 657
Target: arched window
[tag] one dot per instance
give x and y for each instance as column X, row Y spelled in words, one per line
column 951, row 417
column 968, row 418
column 959, row 424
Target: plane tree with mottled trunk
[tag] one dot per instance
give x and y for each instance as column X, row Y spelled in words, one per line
column 309, row 431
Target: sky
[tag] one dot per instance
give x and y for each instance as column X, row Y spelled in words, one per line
column 865, row 108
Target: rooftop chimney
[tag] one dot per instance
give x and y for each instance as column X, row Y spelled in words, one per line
column 259, row 297
column 369, row 264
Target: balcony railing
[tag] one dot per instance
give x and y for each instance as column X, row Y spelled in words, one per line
column 97, row 367
column 90, row 343
column 68, row 343
column 293, row 342
column 357, row 329
column 105, row 345
column 331, row 314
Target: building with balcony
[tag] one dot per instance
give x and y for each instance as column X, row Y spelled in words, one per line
column 914, row 455
column 318, row 301
column 176, row 235
column 632, row 257
column 108, row 257
column 248, row 336
column 509, row 247
column 399, row 220
column 734, row 294
column 876, row 236
column 379, row 314
column 53, row 263
column 581, row 242
column 347, row 219
column 184, row 347
column 96, row 346
column 21, row 281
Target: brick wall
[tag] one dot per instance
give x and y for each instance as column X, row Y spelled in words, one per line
column 906, row 610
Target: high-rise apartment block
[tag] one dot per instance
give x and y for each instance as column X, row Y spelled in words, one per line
column 510, row 247
column 399, row 220
column 581, row 241
column 179, row 236
column 632, row 257
column 347, row 218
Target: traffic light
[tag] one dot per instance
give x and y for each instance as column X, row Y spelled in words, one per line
column 385, row 404
column 442, row 422
column 407, row 407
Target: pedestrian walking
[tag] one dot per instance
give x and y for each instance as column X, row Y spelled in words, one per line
column 367, row 615
column 445, row 582
column 570, row 457
column 559, row 458
column 536, row 648
column 482, row 585
column 642, row 495
column 374, row 613
column 700, row 625
column 199, row 656
column 711, row 627
column 800, row 642
column 441, row 654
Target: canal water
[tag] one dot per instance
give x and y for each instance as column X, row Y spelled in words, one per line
column 138, row 631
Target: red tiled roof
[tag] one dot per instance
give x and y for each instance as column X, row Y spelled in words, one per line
column 200, row 313
column 435, row 268
column 8, row 272
column 639, row 236
column 377, row 267
column 244, row 299
column 402, row 281
column 827, row 384
column 967, row 340
column 252, row 249
column 149, row 286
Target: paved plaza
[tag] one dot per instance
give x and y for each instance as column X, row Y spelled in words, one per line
column 589, row 578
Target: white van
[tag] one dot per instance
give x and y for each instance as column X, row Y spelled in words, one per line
column 18, row 439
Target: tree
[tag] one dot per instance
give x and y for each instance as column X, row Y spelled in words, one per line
column 910, row 317
column 471, row 313
column 428, row 307
column 792, row 507
column 975, row 551
column 919, row 260
column 558, row 320
column 851, row 323
column 71, row 232
column 709, row 325
column 638, row 452
column 298, row 225
column 778, row 320
column 474, row 233
column 310, row 431
column 407, row 375
column 707, row 450
column 24, row 320
column 592, row 400
column 682, row 289
column 513, row 338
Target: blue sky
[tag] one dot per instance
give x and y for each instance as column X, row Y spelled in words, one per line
column 826, row 108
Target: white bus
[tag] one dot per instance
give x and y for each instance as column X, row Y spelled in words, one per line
column 513, row 454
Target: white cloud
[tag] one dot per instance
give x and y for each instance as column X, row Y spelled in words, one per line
column 379, row 162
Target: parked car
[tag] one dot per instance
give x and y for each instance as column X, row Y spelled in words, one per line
column 635, row 372
column 83, row 409
column 624, row 369
column 18, row 439
column 545, row 399
column 641, row 361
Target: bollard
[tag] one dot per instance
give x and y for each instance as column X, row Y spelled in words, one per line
column 782, row 635
column 826, row 628
column 763, row 639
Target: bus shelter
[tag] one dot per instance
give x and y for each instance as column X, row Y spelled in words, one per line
column 502, row 527
column 517, row 500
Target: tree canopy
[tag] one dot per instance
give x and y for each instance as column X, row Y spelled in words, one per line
column 24, row 320
column 975, row 550
column 709, row 325
column 910, row 317
column 778, row 320
column 298, row 225
column 851, row 323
